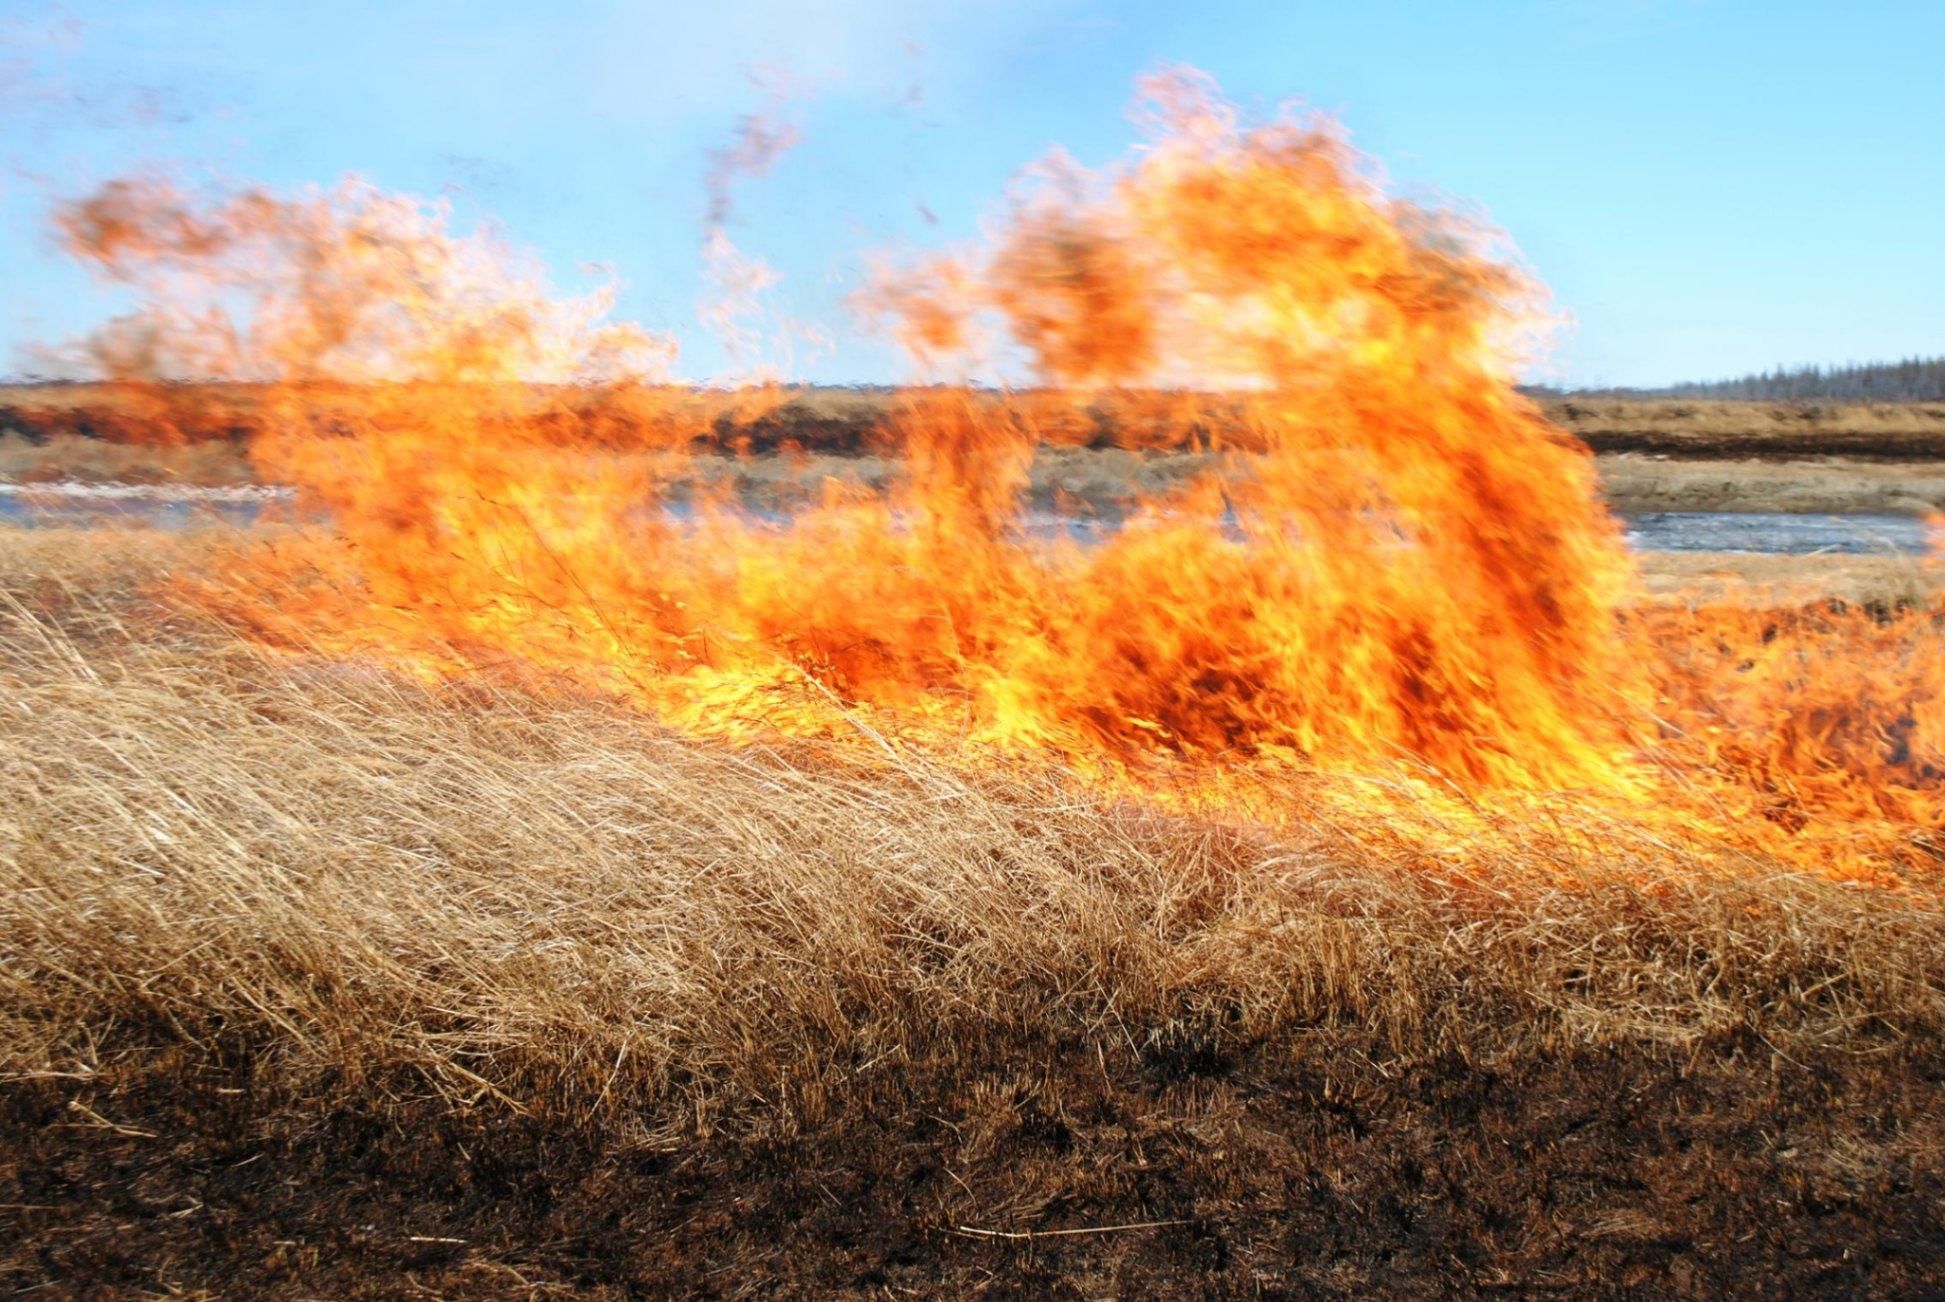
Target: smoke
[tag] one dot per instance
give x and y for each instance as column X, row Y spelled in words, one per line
column 760, row 341
column 759, row 142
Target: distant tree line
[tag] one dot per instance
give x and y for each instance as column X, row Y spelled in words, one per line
column 1916, row 379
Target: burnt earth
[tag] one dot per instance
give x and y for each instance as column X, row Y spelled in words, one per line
column 1286, row 1170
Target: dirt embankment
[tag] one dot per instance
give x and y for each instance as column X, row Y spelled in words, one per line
column 1907, row 432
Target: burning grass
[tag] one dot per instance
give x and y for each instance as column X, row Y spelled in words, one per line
column 258, row 906
column 1398, row 560
column 1258, row 893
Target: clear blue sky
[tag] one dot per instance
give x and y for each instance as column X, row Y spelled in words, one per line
column 1708, row 187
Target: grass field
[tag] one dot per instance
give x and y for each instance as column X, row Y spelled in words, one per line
column 316, row 981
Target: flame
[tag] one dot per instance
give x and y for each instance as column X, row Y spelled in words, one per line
column 1399, row 568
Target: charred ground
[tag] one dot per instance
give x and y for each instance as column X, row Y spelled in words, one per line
column 1322, row 1162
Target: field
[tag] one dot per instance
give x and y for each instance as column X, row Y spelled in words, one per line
column 1238, row 815
column 1652, row 456
column 320, row 980
column 319, row 975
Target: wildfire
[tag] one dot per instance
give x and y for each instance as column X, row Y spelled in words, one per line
column 1401, row 566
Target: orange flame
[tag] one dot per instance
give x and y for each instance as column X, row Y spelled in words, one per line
column 1401, row 562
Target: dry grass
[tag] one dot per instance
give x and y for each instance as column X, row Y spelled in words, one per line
column 78, row 459
column 1760, row 579
column 1821, row 486
column 504, row 890
column 492, row 902
column 1724, row 422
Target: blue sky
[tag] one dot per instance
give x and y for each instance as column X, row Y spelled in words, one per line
column 1707, row 187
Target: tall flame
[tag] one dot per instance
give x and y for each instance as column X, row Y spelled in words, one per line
column 1399, row 563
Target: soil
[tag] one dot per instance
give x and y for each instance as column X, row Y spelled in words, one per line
column 1296, row 1169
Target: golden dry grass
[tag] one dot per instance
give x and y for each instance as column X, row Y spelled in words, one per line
column 1634, row 484
column 554, row 900
column 1759, row 579
column 78, row 459
column 1723, row 422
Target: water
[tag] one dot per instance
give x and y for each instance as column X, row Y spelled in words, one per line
column 125, row 505
column 1774, row 532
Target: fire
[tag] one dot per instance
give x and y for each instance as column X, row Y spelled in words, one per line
column 1401, row 567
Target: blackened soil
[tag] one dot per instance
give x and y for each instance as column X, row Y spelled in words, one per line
column 1297, row 1171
